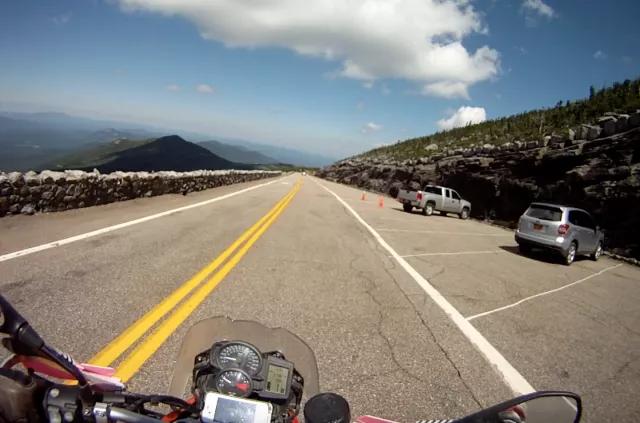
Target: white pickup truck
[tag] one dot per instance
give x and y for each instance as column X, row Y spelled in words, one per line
column 434, row 198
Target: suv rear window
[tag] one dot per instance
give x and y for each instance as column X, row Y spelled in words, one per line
column 539, row 211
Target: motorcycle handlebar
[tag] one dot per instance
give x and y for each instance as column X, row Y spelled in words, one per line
column 114, row 414
column 62, row 404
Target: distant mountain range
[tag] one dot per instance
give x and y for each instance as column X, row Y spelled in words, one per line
column 164, row 153
column 237, row 154
column 29, row 141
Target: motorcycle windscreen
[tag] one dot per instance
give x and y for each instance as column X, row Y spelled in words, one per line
column 202, row 335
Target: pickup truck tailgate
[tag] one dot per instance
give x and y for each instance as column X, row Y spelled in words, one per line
column 409, row 197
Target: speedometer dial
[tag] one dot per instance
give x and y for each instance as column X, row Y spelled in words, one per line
column 241, row 356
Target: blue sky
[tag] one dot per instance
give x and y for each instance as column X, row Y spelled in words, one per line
column 330, row 76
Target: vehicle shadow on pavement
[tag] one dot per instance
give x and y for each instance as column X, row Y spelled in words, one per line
column 539, row 255
column 418, row 212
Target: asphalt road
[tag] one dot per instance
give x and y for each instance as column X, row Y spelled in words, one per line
column 379, row 339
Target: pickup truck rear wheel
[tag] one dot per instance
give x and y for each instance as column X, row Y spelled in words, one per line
column 407, row 207
column 428, row 209
column 464, row 214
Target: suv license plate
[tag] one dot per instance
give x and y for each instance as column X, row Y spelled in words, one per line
column 537, row 227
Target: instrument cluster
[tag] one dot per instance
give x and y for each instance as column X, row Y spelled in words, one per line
column 240, row 363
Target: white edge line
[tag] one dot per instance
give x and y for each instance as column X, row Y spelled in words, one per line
column 454, row 254
column 69, row 240
column 510, row 375
column 495, row 310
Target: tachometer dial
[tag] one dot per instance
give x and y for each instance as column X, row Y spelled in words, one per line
column 235, row 383
column 242, row 356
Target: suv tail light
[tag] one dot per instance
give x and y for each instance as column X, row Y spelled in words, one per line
column 563, row 229
column 419, row 195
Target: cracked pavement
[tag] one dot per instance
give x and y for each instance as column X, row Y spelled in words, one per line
column 380, row 341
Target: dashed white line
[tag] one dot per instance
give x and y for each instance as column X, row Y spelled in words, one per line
column 516, row 382
column 486, row 313
column 441, row 232
column 69, row 240
column 460, row 253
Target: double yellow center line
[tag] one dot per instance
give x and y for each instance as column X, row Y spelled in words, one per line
column 132, row 363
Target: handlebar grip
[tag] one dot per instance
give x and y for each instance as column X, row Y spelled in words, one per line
column 436, row 421
column 122, row 415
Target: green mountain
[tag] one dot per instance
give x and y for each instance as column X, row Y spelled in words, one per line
column 165, row 153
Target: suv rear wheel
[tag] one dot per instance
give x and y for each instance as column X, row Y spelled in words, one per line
column 597, row 253
column 570, row 255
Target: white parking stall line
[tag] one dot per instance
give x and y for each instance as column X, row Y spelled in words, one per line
column 514, row 380
column 486, row 313
column 459, row 253
column 441, row 232
column 402, row 220
column 80, row 237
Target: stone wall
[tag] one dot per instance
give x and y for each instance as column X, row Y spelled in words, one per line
column 596, row 167
column 58, row 191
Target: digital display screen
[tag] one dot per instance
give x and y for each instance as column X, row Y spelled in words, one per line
column 230, row 411
column 277, row 379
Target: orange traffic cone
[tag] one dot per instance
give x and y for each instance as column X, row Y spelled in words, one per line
column 364, row 197
column 381, row 202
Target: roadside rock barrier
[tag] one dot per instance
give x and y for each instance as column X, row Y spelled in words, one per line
column 48, row 191
column 592, row 166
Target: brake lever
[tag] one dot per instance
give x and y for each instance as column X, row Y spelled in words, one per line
column 26, row 336
column 18, row 328
column 14, row 346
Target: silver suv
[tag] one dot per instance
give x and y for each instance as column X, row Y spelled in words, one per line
column 565, row 230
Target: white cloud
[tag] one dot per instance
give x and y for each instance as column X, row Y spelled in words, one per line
column 627, row 59
column 446, row 89
column 540, row 8
column 172, row 87
column 361, row 106
column 385, row 90
column 416, row 40
column 371, row 127
column 62, row 20
column 368, row 84
column 599, row 55
column 462, row 117
column 530, row 21
column 204, row 88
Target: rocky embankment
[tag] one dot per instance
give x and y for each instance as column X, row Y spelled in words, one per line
column 596, row 167
column 27, row 193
